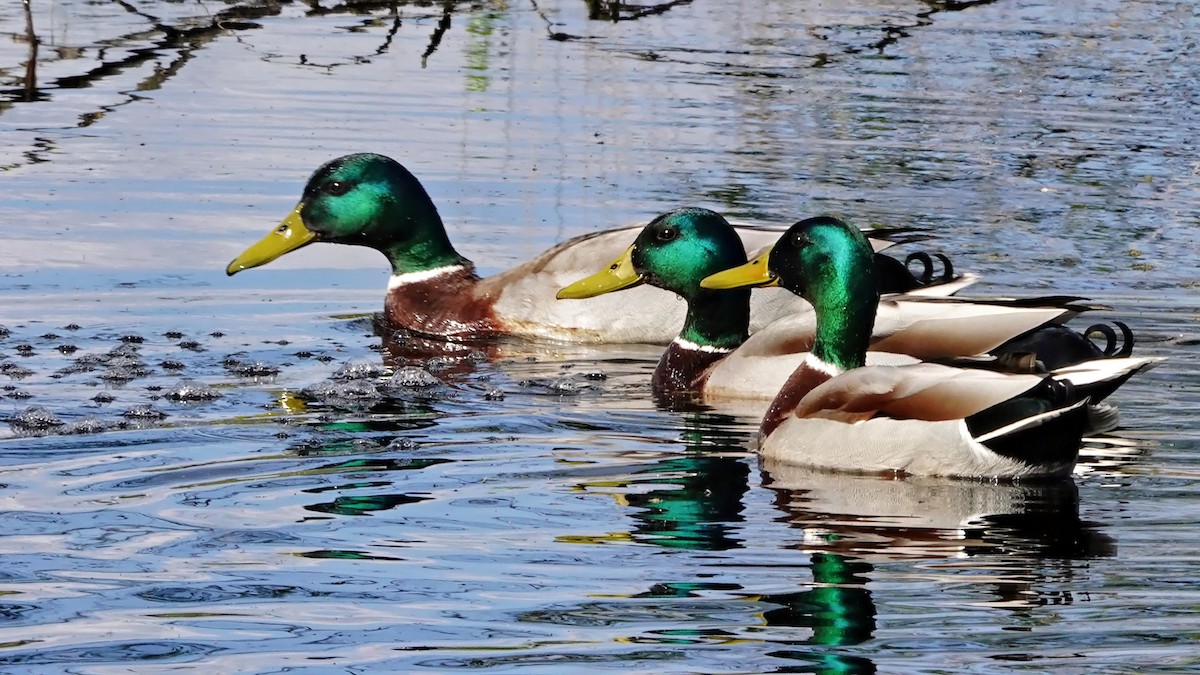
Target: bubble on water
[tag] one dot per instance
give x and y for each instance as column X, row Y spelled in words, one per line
column 252, row 369
column 144, row 411
column 173, row 335
column 124, row 368
column 437, row 364
column 126, row 350
column 73, row 368
column 67, row 349
column 35, row 418
column 354, row 371
column 562, row 386
column 88, row 425
column 70, row 326
column 172, row 364
column 351, row 394
column 19, row 394
column 104, row 397
column 402, row 444
column 49, row 336
column 4, row 332
column 413, row 377
column 90, row 360
column 361, row 445
column 14, row 371
column 24, row 349
column 132, row 338
column 190, row 390
column 494, row 394
column 126, row 362
column 191, row 345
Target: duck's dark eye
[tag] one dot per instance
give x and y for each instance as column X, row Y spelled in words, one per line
column 337, row 188
column 667, row 234
column 799, row 241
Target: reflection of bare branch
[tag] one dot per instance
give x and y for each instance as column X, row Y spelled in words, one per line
column 31, row 64
column 391, row 34
column 557, row 36
column 393, row 11
column 893, row 34
column 442, row 27
column 618, row 10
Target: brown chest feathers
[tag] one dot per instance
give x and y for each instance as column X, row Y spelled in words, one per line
column 682, row 370
column 449, row 305
column 803, row 380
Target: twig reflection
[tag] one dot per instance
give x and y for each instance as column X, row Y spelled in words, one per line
column 30, row 65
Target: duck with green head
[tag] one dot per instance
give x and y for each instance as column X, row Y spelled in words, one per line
column 714, row 357
column 835, row 412
column 371, row 200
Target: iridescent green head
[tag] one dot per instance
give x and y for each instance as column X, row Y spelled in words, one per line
column 366, row 200
column 675, row 252
column 830, row 264
column 824, row 256
column 681, row 247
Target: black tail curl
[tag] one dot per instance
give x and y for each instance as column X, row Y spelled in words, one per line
column 1058, row 346
column 928, row 270
column 898, row 277
column 1110, row 348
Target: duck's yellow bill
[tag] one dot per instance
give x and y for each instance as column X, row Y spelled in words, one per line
column 753, row 273
column 620, row 274
column 288, row 236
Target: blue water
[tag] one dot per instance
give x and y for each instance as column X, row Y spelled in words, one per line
column 533, row 510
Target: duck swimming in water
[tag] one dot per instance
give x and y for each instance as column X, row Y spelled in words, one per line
column 372, row 200
column 837, row 413
column 715, row 358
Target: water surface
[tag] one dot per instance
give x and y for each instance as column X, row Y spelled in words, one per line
column 533, row 510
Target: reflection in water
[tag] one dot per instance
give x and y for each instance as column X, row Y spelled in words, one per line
column 363, row 505
column 850, row 526
column 170, row 543
column 913, row 517
column 1023, row 527
column 31, row 64
column 694, row 500
column 697, row 506
column 838, row 608
column 435, row 39
column 618, row 10
column 695, row 503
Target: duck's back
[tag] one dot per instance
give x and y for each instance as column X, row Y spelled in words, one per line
column 525, row 301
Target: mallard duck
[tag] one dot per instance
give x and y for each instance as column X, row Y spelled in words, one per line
column 714, row 357
column 836, row 413
column 371, row 200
